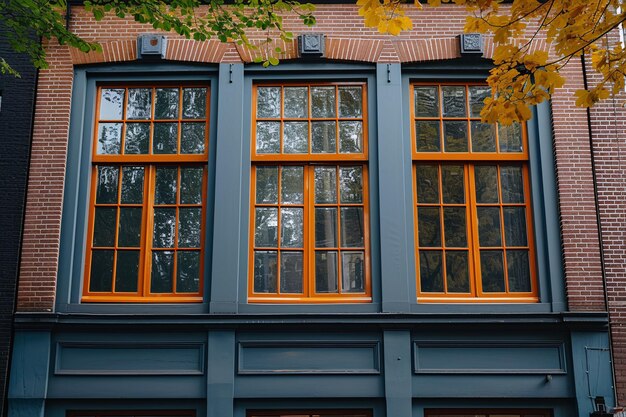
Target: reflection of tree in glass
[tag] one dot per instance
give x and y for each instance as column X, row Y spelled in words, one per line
column 166, row 106
column 350, row 137
column 453, row 101
column 323, row 101
column 455, row 134
column 164, row 225
column 107, row 184
column 109, row 138
column 351, row 184
column 266, row 234
column 265, row 272
column 427, row 136
column 486, row 182
column 111, row 104
column 138, row 103
column 268, row 102
column 194, row 103
column 492, row 271
column 483, row 137
column 291, row 229
column 431, row 271
column 267, row 185
column 268, row 137
column 292, row 185
column 457, row 276
column 350, row 102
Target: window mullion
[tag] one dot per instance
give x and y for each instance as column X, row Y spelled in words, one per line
column 473, row 245
column 146, row 276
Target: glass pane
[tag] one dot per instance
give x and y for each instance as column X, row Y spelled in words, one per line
column 296, row 102
column 166, row 185
column 101, row 275
column 351, row 184
column 326, row 227
column 350, row 101
column 265, row 271
column 267, row 185
column 268, row 137
column 352, row 227
column 453, row 101
column 127, row 271
column 104, row 227
column 478, row 94
column 162, row 271
column 325, row 272
column 510, row 138
column 266, row 227
column 512, row 184
column 296, row 137
column 455, row 228
column 164, row 227
column 426, row 101
column 111, row 104
column 268, row 102
column 455, row 136
column 324, row 137
column 453, row 184
column 427, row 136
column 325, row 185
column 431, row 271
column 291, row 227
column 132, row 185
column 515, row 226
column 427, row 183
column 492, row 271
column 323, row 101
column 429, row 227
column 457, row 275
column 292, row 185
column 486, row 183
column 489, row 226
column 166, row 106
column 518, row 270
column 353, row 272
column 194, row 103
column 188, row 271
column 189, row 220
column 483, row 137
column 109, row 138
column 129, row 233
column 165, row 138
column 192, row 138
column 350, row 137
column 191, row 185
column 291, row 272
column 139, row 103
column 137, row 138
column 108, row 177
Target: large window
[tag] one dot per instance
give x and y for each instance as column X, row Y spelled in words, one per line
column 309, row 198
column 487, row 413
column 472, row 200
column 146, row 219
column 318, row 413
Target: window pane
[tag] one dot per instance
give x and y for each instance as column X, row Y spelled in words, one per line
column 325, row 185
column 326, row 227
column 137, row 139
column 489, row 226
column 453, row 184
column 268, row 137
column 350, row 101
column 296, row 137
column 353, row 272
column 431, row 271
column 510, row 138
column 189, row 227
column 429, row 227
column 352, row 227
column 455, row 136
column 512, row 184
column 296, row 102
column 427, row 184
column 350, row 137
column 483, row 137
column 453, row 101
column 192, row 138
column 292, row 185
column 162, row 271
column 194, row 103
column 188, row 271
column 426, row 101
column 486, row 183
column 351, row 185
column 323, row 101
column 129, row 233
column 191, row 185
column 108, row 177
column 127, row 271
column 132, row 185
column 266, row 227
column 109, row 138
column 267, row 185
column 427, row 136
column 265, row 269
column 139, row 103
column 325, row 272
column 292, row 227
column 324, row 137
column 165, row 140
column 166, row 185
column 455, row 227
column 291, row 272
column 104, row 227
column 515, row 226
column 492, row 271
column 111, row 104
column 518, row 270
column 457, row 275
column 478, row 94
column 268, row 102
column 166, row 106
column 164, row 227
column 101, row 276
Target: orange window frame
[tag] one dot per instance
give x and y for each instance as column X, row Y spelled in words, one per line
column 149, row 162
column 309, row 162
column 469, row 160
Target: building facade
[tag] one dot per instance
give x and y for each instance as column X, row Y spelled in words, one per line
column 334, row 236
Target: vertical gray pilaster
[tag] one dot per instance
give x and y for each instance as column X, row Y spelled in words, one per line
column 226, row 233
column 397, row 357
column 221, row 374
column 394, row 241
